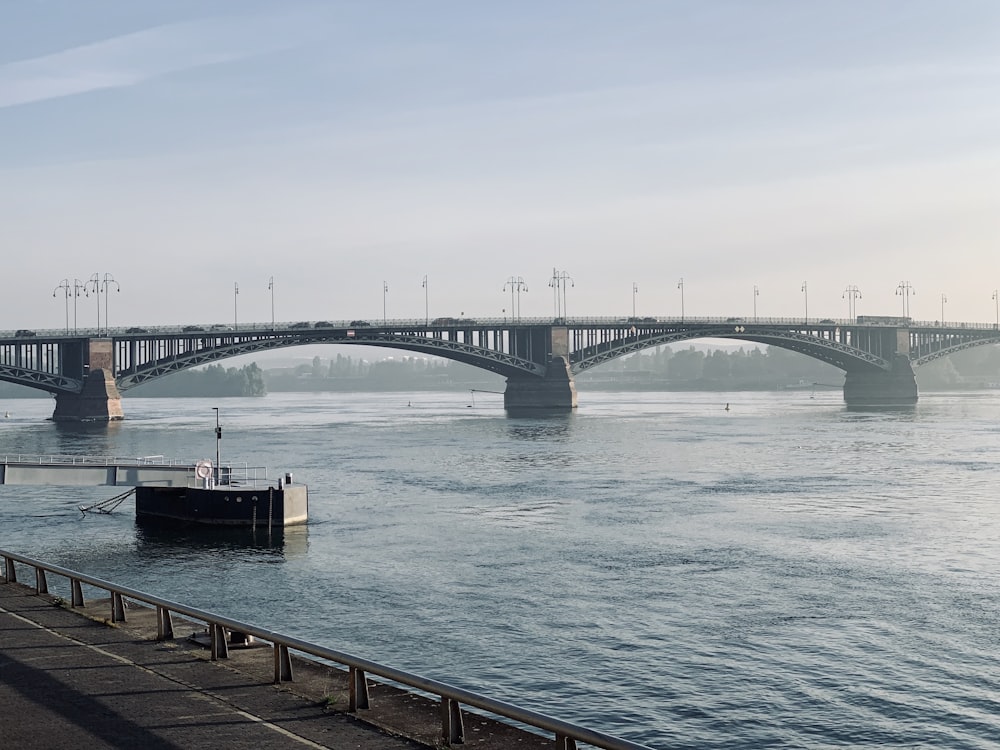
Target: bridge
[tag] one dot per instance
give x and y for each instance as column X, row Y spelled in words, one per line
column 88, row 370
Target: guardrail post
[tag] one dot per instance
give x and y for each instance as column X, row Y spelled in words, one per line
column 565, row 743
column 220, row 644
column 164, row 625
column 41, row 585
column 117, row 607
column 76, row 593
column 357, row 690
column 282, row 664
column 9, row 571
column 452, row 726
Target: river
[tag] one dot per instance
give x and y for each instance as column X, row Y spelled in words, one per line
column 787, row 573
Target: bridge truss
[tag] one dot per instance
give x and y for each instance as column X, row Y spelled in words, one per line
column 57, row 362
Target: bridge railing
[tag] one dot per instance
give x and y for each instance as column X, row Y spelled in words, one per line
column 221, row 330
column 452, row 698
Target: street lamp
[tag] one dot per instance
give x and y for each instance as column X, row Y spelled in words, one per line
column 517, row 285
column 270, row 288
column 680, row 285
column 756, row 294
column 107, row 281
column 943, row 300
column 64, row 285
column 635, row 290
column 94, row 282
column 236, row 314
column 385, row 291
column 996, row 300
column 853, row 294
column 218, row 441
column 427, row 309
column 560, row 277
column 78, row 286
column 904, row 290
column 805, row 292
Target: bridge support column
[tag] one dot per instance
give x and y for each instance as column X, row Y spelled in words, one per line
column 99, row 401
column 556, row 390
column 886, row 388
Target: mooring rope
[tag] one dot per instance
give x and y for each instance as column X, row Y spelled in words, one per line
column 106, row 506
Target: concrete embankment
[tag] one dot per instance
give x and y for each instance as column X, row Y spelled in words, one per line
column 68, row 679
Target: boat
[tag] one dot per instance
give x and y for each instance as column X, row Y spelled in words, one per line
column 222, row 499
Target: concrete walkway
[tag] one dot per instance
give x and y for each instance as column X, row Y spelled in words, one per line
column 69, row 681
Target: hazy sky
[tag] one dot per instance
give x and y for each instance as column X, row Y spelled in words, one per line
column 185, row 146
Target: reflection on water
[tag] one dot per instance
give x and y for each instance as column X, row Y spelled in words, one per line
column 157, row 538
column 535, row 430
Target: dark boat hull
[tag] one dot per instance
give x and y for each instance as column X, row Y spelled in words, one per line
column 224, row 505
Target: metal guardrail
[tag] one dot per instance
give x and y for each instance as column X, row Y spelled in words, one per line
column 251, row 328
column 452, row 698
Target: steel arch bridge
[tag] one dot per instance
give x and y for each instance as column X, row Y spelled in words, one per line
column 522, row 350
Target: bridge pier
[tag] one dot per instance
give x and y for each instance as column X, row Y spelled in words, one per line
column 882, row 387
column 98, row 401
column 555, row 391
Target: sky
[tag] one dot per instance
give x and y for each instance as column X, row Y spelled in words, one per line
column 212, row 158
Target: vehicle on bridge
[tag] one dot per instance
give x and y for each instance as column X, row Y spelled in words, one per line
column 360, row 324
column 884, row 320
column 24, row 332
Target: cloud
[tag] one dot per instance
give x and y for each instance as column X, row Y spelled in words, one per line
column 131, row 59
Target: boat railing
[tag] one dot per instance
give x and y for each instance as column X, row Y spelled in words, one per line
column 452, row 698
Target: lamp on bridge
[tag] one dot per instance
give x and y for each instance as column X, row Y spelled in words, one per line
column 560, row 278
column 996, row 301
column 805, row 292
column 427, row 309
column 756, row 294
column 635, row 290
column 270, row 287
column 943, row 300
column 517, row 285
column 236, row 314
column 107, row 281
column 680, row 285
column 853, row 294
column 904, row 290
column 64, row 285
column 385, row 291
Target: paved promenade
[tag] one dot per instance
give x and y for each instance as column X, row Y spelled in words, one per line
column 68, row 680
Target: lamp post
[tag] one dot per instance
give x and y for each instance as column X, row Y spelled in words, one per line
column 94, row 282
column 805, row 292
column 996, row 301
column 105, row 283
column 270, row 288
column 427, row 309
column 236, row 312
column 756, row 294
column 560, row 278
column 680, row 285
column 635, row 290
column 853, row 294
column 385, row 291
column 904, row 290
column 517, row 285
column 78, row 286
column 943, row 300
column 64, row 285
column 218, row 441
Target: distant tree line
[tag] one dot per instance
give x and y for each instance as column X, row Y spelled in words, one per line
column 212, row 380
